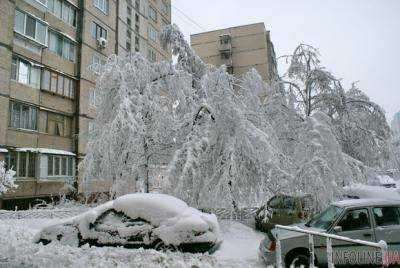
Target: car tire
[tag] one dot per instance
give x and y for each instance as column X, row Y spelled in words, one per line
column 297, row 259
column 161, row 246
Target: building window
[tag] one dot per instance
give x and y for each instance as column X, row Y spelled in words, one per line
column 152, row 33
column 129, row 10
column 63, row 10
column 153, row 13
column 152, row 55
column 137, row 46
column 58, row 165
column 164, row 8
column 30, row 27
column 137, row 5
column 92, row 97
column 24, row 163
column 98, row 31
column 98, row 60
column 128, row 45
column 58, row 125
column 102, row 5
column 128, row 21
column 23, row 116
column 62, row 46
column 128, row 34
column 91, row 128
column 25, row 72
column 58, row 83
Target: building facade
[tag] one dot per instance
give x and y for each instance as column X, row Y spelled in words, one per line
column 47, row 88
column 239, row 49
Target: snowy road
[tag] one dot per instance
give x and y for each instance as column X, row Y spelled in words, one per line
column 239, row 249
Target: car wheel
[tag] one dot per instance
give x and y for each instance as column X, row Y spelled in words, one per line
column 298, row 260
column 160, row 246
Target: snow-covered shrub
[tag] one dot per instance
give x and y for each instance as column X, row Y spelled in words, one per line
column 7, row 179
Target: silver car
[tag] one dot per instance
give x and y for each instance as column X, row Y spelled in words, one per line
column 365, row 219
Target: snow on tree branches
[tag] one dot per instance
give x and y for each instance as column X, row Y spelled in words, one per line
column 225, row 141
column 7, row 180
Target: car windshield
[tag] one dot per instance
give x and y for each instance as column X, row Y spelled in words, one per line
column 326, row 218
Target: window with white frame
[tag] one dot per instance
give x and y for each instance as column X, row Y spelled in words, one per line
column 102, row 5
column 152, row 33
column 62, row 46
column 60, row 166
column 153, row 13
column 92, row 97
column 43, row 2
column 63, row 10
column 23, row 163
column 30, row 27
column 25, row 72
column 23, row 116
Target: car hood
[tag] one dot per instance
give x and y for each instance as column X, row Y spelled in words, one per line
column 286, row 234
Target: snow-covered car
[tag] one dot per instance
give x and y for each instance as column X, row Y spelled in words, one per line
column 370, row 220
column 137, row 220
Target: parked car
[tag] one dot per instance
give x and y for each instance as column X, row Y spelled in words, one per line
column 137, row 220
column 284, row 210
column 365, row 219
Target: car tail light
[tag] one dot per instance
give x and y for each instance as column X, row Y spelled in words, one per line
column 272, row 246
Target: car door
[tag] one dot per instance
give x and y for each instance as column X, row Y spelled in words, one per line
column 356, row 224
column 387, row 225
column 114, row 227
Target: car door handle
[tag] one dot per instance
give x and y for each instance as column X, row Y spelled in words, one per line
column 367, row 235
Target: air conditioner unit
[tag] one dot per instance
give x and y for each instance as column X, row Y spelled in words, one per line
column 102, row 42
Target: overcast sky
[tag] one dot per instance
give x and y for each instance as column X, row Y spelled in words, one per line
column 359, row 40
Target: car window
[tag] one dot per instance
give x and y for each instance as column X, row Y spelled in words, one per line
column 356, row 219
column 386, row 216
column 325, row 219
column 282, row 202
column 111, row 220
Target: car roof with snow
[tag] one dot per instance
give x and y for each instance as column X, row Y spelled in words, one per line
column 365, row 202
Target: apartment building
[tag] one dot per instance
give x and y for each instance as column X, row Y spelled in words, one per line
column 139, row 26
column 239, row 49
column 47, row 88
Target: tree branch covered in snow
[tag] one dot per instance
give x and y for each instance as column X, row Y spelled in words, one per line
column 7, row 180
column 360, row 124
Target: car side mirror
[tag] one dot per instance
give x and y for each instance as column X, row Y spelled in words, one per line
column 337, row 229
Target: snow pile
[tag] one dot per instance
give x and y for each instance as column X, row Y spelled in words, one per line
column 369, row 191
column 161, row 217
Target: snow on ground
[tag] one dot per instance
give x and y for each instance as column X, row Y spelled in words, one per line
column 239, row 249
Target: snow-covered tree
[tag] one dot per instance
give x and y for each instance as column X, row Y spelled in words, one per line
column 139, row 114
column 7, row 179
column 360, row 124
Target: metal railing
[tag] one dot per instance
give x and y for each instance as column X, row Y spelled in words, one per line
column 380, row 245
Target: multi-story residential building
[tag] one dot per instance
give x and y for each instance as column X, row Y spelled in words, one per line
column 239, row 49
column 47, row 88
column 139, row 26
